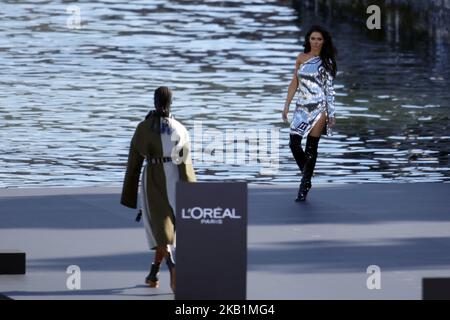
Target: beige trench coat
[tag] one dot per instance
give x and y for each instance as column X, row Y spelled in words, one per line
column 155, row 138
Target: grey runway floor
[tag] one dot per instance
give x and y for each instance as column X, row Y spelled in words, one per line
column 320, row 249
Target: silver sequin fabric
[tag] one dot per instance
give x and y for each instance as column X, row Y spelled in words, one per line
column 315, row 96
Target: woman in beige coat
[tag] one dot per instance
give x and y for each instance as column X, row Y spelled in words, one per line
column 164, row 143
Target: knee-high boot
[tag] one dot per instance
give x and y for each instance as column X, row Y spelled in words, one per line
column 312, row 144
column 295, row 144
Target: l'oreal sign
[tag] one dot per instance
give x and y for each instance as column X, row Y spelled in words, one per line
column 209, row 215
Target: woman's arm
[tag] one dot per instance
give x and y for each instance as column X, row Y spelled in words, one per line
column 329, row 95
column 131, row 181
column 292, row 87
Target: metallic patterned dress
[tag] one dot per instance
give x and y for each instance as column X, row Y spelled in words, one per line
column 315, row 96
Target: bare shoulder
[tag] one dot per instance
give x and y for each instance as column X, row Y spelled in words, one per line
column 302, row 57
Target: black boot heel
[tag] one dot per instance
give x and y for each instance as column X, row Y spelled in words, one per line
column 303, row 191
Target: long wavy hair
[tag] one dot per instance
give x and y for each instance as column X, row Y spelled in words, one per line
column 328, row 52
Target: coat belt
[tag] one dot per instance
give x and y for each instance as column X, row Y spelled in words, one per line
column 159, row 160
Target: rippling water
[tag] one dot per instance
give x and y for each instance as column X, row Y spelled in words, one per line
column 71, row 98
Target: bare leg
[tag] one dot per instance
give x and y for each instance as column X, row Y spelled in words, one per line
column 171, row 265
column 317, row 130
column 160, row 253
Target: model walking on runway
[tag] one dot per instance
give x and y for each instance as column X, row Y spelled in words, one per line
column 164, row 143
column 315, row 70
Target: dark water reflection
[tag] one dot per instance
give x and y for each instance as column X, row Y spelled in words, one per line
column 71, row 98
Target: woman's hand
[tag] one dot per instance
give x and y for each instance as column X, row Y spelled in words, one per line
column 331, row 122
column 284, row 115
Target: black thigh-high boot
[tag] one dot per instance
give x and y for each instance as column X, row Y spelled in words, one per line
column 295, row 143
column 312, row 144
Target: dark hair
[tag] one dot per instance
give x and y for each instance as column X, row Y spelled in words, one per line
column 163, row 100
column 328, row 52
